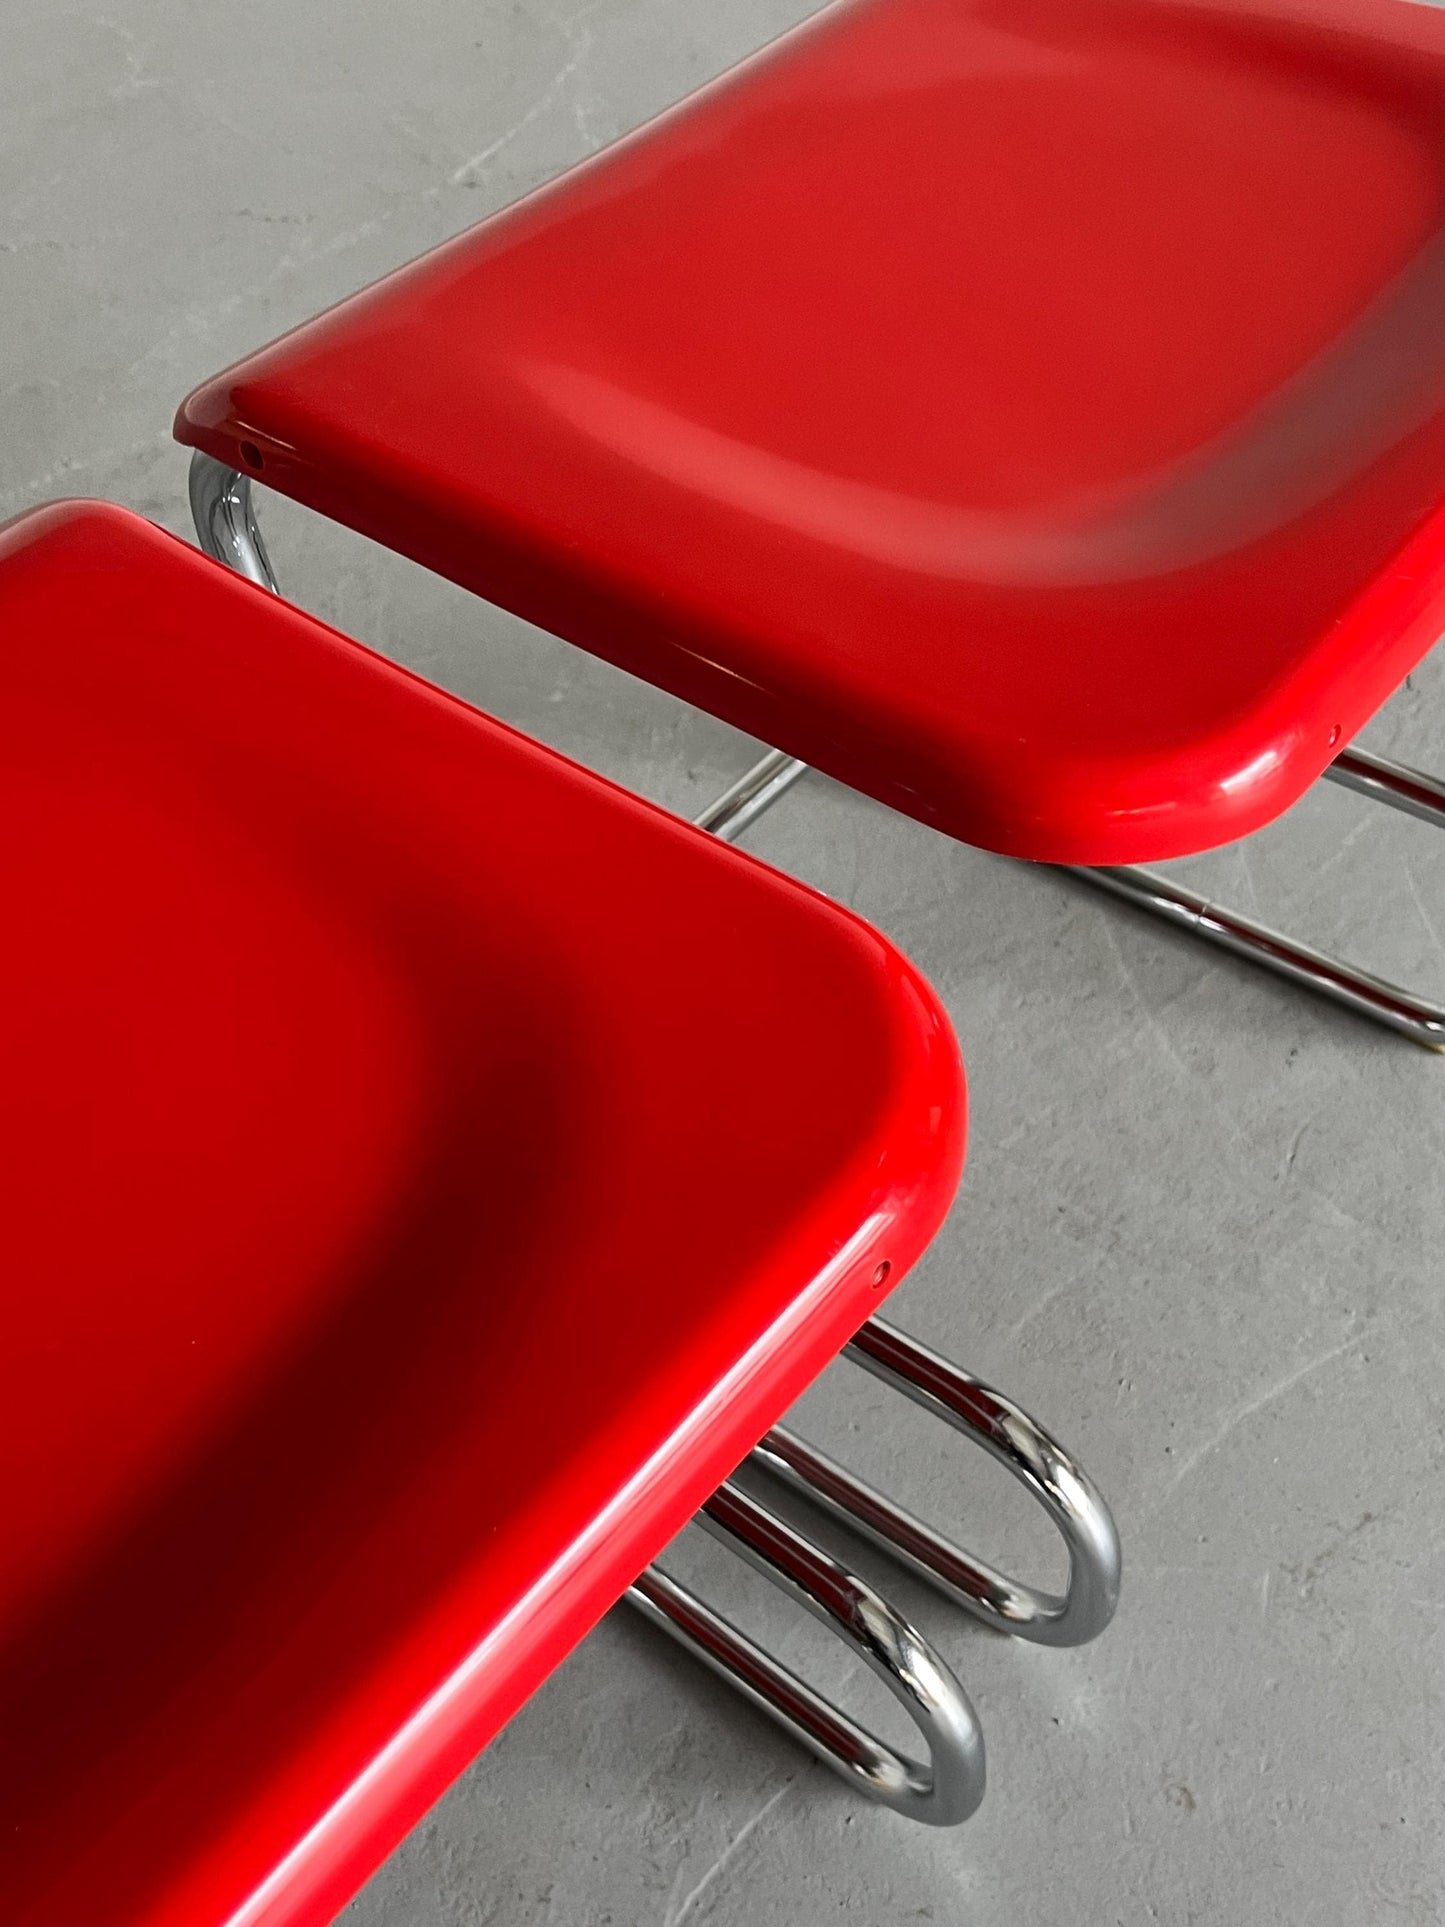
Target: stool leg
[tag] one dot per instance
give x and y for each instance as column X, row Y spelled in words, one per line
column 1396, row 784
column 1004, row 1429
column 1008, row 1434
column 942, row 1793
column 1408, row 790
column 225, row 520
column 1357, row 990
column 755, row 791
column 1402, row 788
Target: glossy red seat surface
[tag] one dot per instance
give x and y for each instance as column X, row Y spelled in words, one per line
column 426, row 1170
column 1029, row 411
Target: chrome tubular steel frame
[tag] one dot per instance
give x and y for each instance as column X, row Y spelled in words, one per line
column 225, row 520
column 1008, row 1434
column 1405, row 789
column 940, row 1794
column 755, row 791
column 1402, row 788
column 1005, row 1430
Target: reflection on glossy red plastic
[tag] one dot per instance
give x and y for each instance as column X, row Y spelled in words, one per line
column 1030, row 411
column 426, row 1170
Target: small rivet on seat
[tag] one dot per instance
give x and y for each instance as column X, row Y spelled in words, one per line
column 880, row 1275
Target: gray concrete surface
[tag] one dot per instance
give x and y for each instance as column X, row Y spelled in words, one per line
column 1202, row 1228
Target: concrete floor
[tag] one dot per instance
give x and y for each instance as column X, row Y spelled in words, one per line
column 1202, row 1232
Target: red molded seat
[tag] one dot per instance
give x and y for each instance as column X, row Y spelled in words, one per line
column 416, row 1198
column 1029, row 411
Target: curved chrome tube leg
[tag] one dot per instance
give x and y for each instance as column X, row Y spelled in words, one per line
column 225, row 520
column 1385, row 1003
column 771, row 777
column 1003, row 1429
column 940, row 1794
column 1064, row 1490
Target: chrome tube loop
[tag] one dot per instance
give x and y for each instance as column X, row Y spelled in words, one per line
column 941, row 1792
column 1041, row 1465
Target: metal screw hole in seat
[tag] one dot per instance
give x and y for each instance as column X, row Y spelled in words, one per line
column 1041, row 1465
column 942, row 1792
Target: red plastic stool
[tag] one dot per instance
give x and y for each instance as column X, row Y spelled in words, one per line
column 1031, row 413
column 397, row 1248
